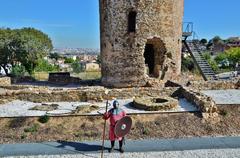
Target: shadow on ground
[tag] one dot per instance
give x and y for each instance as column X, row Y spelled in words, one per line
column 80, row 146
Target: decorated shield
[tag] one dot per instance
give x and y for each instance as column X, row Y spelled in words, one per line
column 123, row 126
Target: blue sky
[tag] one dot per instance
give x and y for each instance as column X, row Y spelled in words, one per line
column 75, row 23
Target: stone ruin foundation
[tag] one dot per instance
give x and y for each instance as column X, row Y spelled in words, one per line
column 205, row 104
column 140, row 39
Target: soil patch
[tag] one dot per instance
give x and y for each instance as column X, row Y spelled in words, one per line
column 86, row 109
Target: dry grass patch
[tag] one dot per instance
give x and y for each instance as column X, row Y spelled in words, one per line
column 144, row 126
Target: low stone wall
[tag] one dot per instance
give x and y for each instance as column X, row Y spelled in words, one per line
column 44, row 94
column 5, row 81
column 205, row 104
column 216, row 85
column 155, row 103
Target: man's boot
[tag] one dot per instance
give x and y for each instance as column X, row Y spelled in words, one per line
column 121, row 146
column 112, row 146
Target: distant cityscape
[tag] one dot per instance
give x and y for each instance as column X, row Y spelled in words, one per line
column 76, row 51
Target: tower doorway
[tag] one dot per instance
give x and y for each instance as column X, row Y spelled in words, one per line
column 149, row 58
column 154, row 54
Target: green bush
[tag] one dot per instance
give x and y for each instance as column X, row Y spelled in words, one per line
column 213, row 64
column 207, row 56
column 77, row 68
column 223, row 113
column 188, row 64
column 23, row 136
column 18, row 71
column 220, row 57
column 44, row 66
column 68, row 60
column 32, row 129
column 232, row 55
column 44, row 119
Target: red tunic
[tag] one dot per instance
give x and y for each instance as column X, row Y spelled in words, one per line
column 114, row 115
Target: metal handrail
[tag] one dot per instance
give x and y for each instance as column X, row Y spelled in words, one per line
column 188, row 27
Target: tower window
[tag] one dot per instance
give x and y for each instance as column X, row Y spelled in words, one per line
column 132, row 21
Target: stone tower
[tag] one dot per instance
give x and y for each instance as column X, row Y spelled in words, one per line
column 140, row 39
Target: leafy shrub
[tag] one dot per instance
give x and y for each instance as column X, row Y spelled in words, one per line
column 44, row 119
column 220, row 57
column 68, row 60
column 188, row 64
column 23, row 136
column 213, row 64
column 223, row 113
column 44, row 66
column 32, row 129
column 207, row 56
column 231, row 55
column 77, row 68
column 145, row 131
column 18, row 71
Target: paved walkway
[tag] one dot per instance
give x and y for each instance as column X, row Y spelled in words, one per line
column 19, row 108
column 139, row 146
column 224, row 97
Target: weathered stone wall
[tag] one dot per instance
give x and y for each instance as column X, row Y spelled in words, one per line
column 5, row 81
column 44, row 94
column 205, row 104
column 122, row 53
column 62, row 78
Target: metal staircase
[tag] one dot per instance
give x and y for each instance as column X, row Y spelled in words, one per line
column 192, row 47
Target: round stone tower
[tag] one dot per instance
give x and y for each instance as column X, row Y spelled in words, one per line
column 140, row 39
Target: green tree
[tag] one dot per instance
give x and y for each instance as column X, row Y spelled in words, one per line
column 55, row 56
column 203, row 41
column 99, row 60
column 23, row 46
column 217, row 40
column 30, row 45
column 6, row 55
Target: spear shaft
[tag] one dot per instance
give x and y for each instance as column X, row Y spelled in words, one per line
column 104, row 129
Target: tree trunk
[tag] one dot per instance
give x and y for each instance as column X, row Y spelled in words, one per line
column 5, row 70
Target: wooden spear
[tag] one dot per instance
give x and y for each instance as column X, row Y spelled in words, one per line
column 104, row 128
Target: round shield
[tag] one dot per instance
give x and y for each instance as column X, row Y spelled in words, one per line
column 123, row 126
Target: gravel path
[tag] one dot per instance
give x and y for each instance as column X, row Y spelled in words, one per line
column 213, row 153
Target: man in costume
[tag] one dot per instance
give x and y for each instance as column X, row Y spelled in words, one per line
column 114, row 115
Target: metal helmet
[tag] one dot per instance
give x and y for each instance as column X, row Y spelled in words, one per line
column 115, row 104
